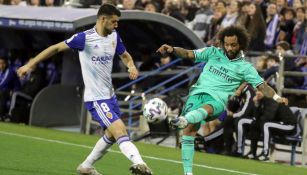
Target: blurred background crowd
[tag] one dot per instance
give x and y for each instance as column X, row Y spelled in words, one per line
column 268, row 21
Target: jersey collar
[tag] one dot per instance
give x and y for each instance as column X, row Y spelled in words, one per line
column 239, row 57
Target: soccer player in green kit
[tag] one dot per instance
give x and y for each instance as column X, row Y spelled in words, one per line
column 223, row 73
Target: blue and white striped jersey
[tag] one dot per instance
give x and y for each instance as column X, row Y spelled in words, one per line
column 96, row 55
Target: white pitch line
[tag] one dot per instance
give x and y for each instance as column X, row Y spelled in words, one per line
column 149, row 157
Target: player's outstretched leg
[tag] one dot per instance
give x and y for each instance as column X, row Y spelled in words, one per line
column 192, row 117
column 86, row 167
column 187, row 153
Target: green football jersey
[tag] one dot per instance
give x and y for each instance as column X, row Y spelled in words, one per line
column 221, row 77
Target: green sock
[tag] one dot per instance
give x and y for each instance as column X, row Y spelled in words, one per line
column 187, row 150
column 196, row 115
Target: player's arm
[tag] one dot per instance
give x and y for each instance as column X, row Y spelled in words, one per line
column 177, row 51
column 45, row 54
column 269, row 92
column 251, row 76
column 128, row 61
column 240, row 89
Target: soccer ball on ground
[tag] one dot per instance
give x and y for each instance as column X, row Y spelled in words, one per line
column 155, row 110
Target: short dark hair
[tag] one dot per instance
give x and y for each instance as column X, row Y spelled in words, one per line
column 234, row 30
column 273, row 57
column 4, row 58
column 284, row 45
column 108, row 10
column 291, row 10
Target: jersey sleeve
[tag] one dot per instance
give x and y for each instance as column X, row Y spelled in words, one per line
column 77, row 41
column 203, row 54
column 120, row 47
column 251, row 76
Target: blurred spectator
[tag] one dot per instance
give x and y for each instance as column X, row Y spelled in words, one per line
column 299, row 29
column 297, row 3
column 201, row 22
column 283, row 48
column 261, row 64
column 151, row 7
column 239, row 112
column 49, row 3
column 129, row 4
column 272, row 118
column 213, row 4
column 35, row 3
column 21, row 100
column 189, row 9
column 232, row 14
column 272, row 68
column 19, row 2
column 242, row 14
column 218, row 16
column 281, row 4
column 140, row 4
column 272, row 21
column 255, row 26
column 221, row 7
column 303, row 50
column 302, row 63
column 263, row 6
column 172, row 8
column 286, row 25
column 113, row 2
column 8, row 83
column 245, row 6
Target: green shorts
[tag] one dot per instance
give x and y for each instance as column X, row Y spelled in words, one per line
column 198, row 100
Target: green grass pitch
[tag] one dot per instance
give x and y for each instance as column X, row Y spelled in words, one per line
column 37, row 151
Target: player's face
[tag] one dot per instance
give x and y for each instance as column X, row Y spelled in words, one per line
column 231, row 46
column 110, row 23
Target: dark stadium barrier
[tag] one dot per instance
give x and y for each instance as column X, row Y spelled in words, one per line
column 57, row 105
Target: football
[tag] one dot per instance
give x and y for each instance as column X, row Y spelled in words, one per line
column 155, row 110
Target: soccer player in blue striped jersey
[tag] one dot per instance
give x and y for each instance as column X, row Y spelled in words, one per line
column 225, row 70
column 97, row 47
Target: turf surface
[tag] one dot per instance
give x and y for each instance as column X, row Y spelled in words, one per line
column 38, row 151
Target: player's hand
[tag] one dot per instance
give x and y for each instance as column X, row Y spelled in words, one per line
column 23, row 70
column 283, row 100
column 165, row 49
column 229, row 113
column 133, row 73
